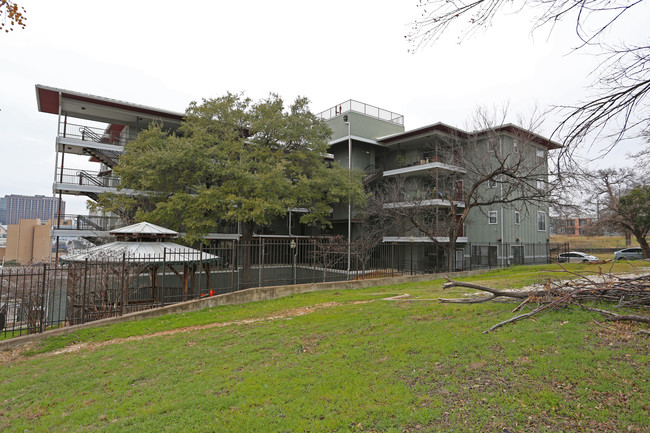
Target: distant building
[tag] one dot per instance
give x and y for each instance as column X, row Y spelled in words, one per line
column 28, row 242
column 572, row 226
column 3, row 240
column 31, row 207
column 3, row 210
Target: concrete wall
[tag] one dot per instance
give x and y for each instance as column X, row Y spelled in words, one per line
column 362, row 125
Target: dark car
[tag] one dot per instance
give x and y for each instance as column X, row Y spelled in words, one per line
column 629, row 254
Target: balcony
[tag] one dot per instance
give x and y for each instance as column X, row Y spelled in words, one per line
column 76, row 177
column 88, row 222
column 112, row 134
column 423, row 162
column 99, row 226
column 435, row 197
column 88, row 183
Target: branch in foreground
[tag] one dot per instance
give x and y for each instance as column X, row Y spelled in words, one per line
column 631, row 292
column 619, row 317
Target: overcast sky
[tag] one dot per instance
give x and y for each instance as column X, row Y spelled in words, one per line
column 167, row 53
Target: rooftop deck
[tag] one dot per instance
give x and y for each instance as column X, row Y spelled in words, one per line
column 360, row 107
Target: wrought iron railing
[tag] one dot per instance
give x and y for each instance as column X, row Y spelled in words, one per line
column 88, row 222
column 95, row 134
column 36, row 298
column 87, row 178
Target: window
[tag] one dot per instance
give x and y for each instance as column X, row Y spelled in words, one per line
column 541, row 156
column 491, row 144
column 515, row 146
column 493, row 217
column 541, row 185
column 517, row 217
column 492, row 183
column 541, row 221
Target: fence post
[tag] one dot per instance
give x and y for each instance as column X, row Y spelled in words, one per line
column 261, row 264
column 392, row 259
column 124, row 294
column 200, row 269
column 162, row 283
column 232, row 267
column 43, row 297
column 83, row 299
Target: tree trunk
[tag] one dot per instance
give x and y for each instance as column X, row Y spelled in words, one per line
column 247, row 229
column 452, row 253
column 643, row 243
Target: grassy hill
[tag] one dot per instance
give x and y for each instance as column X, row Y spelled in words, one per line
column 346, row 361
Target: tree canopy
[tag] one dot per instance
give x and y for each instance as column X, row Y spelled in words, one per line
column 618, row 107
column 233, row 160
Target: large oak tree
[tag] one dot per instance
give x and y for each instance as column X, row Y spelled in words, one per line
column 233, row 160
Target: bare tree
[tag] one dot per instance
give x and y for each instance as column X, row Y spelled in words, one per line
column 330, row 252
column 623, row 83
column 490, row 172
column 624, row 203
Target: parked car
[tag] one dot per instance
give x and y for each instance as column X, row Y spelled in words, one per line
column 629, row 254
column 576, row 257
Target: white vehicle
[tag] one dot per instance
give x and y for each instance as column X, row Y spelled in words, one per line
column 576, row 257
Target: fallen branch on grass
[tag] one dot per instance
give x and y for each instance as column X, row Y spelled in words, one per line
column 627, row 292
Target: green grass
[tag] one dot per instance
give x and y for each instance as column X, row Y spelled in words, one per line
column 588, row 242
column 352, row 363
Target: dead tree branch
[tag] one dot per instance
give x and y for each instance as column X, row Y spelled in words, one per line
column 621, row 292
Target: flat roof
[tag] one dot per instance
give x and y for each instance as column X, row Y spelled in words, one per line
column 450, row 130
column 50, row 98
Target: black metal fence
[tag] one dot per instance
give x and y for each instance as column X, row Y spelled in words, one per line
column 36, row 298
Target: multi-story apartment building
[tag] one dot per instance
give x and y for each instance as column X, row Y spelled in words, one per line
column 19, row 207
column 3, row 210
column 436, row 162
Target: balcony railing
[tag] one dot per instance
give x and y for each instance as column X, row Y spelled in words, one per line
column 423, row 198
column 435, row 194
column 108, row 223
column 429, row 157
column 94, row 134
column 360, row 107
column 87, row 178
column 88, row 222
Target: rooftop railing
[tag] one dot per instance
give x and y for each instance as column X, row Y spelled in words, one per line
column 360, row 107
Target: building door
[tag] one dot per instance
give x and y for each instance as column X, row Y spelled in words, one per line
column 459, row 264
column 517, row 253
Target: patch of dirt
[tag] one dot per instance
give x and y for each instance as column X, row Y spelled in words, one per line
column 17, row 353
